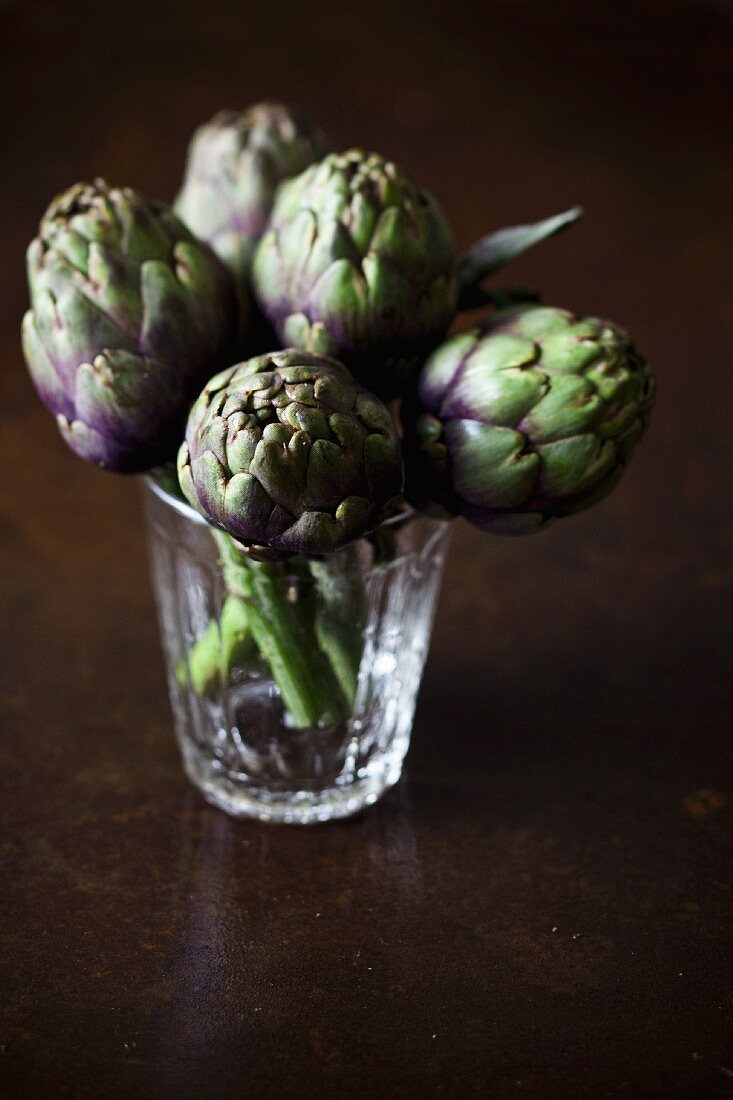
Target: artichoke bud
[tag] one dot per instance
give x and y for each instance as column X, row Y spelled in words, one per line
column 358, row 263
column 529, row 417
column 287, row 453
column 128, row 314
column 235, row 164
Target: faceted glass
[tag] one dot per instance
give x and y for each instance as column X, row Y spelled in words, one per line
column 293, row 683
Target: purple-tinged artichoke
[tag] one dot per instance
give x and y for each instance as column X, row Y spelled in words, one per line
column 359, row 263
column 129, row 314
column 235, row 165
column 529, row 417
column 288, row 452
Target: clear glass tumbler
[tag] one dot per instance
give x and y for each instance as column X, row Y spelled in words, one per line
column 293, row 684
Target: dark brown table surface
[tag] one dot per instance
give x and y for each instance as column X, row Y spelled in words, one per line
column 543, row 906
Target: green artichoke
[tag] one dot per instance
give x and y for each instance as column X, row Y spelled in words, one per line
column 358, row 262
column 235, row 164
column 529, row 417
column 288, row 452
column 129, row 312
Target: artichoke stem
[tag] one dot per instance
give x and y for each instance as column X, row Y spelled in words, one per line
column 339, row 617
column 310, row 692
column 225, row 644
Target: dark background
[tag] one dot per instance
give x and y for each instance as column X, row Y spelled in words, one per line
column 543, row 907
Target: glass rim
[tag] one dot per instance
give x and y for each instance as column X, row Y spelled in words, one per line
column 173, row 501
column 184, row 508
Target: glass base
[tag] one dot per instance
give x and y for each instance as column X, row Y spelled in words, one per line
column 244, row 799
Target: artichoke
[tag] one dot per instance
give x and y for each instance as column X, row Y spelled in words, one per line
column 235, row 164
column 128, row 314
column 287, row 451
column 529, row 417
column 358, row 262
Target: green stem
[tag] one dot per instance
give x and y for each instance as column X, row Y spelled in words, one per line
column 339, row 617
column 225, row 644
column 310, row 692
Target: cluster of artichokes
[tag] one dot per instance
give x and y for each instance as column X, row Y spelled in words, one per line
column 282, row 332
column 290, row 295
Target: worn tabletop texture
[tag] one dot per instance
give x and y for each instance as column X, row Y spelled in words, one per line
column 543, row 906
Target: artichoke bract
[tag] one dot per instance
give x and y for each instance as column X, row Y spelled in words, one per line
column 527, row 418
column 129, row 313
column 359, row 263
column 235, row 164
column 286, row 451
